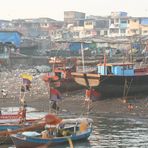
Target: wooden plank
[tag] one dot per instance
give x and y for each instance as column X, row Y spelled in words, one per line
column 86, row 79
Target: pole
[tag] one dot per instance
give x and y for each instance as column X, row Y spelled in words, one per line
column 49, row 93
column 82, row 53
column 104, row 63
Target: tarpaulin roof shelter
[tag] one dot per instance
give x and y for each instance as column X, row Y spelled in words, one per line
column 13, row 37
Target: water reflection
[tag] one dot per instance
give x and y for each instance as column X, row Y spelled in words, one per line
column 115, row 132
column 121, row 132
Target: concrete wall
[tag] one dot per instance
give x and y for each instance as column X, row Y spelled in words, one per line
column 134, row 26
column 28, row 61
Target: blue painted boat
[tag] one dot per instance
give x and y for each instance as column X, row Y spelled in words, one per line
column 35, row 139
column 4, row 127
column 12, row 122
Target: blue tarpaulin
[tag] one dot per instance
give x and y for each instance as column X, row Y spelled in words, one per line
column 76, row 47
column 136, row 46
column 13, row 37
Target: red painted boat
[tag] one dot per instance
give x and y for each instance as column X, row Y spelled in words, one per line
column 62, row 69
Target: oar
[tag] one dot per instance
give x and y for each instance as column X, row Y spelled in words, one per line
column 70, row 143
column 69, row 140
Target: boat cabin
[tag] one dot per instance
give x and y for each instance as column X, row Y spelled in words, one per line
column 63, row 67
column 125, row 69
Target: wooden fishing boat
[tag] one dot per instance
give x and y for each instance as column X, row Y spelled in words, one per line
column 80, row 131
column 4, row 137
column 30, row 125
column 16, row 118
column 9, row 118
column 62, row 68
column 115, row 79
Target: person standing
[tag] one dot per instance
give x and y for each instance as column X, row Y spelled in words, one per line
column 55, row 97
column 88, row 100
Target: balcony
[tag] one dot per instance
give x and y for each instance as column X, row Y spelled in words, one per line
column 114, row 26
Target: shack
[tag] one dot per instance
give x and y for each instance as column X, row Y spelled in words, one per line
column 9, row 43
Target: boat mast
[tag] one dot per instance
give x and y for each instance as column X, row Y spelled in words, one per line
column 104, row 63
column 49, row 93
column 82, row 53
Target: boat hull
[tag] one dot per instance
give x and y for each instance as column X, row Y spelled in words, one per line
column 29, row 142
column 122, row 85
column 67, row 85
column 111, row 85
column 5, row 127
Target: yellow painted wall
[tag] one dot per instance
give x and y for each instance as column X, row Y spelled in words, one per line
column 133, row 25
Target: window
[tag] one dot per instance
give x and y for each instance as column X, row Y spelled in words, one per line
column 88, row 32
column 112, row 21
column 88, row 23
column 128, row 21
column 123, row 31
column 123, row 21
column 109, row 70
column 135, row 20
column 134, row 31
column 105, row 32
column 130, row 66
column 114, row 30
column 98, row 32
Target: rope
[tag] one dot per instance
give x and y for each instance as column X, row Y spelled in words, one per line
column 129, row 87
column 126, row 90
column 104, row 79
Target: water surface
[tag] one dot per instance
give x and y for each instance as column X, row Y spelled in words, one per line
column 114, row 132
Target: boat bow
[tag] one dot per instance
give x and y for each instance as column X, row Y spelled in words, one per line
column 86, row 79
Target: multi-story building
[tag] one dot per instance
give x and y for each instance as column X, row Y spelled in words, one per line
column 71, row 17
column 133, row 26
column 97, row 27
column 28, row 28
column 118, row 24
column 36, row 27
column 137, row 26
column 92, row 27
column 144, row 26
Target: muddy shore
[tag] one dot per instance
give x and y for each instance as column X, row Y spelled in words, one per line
column 73, row 102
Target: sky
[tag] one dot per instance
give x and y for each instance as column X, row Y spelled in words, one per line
column 20, row 9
